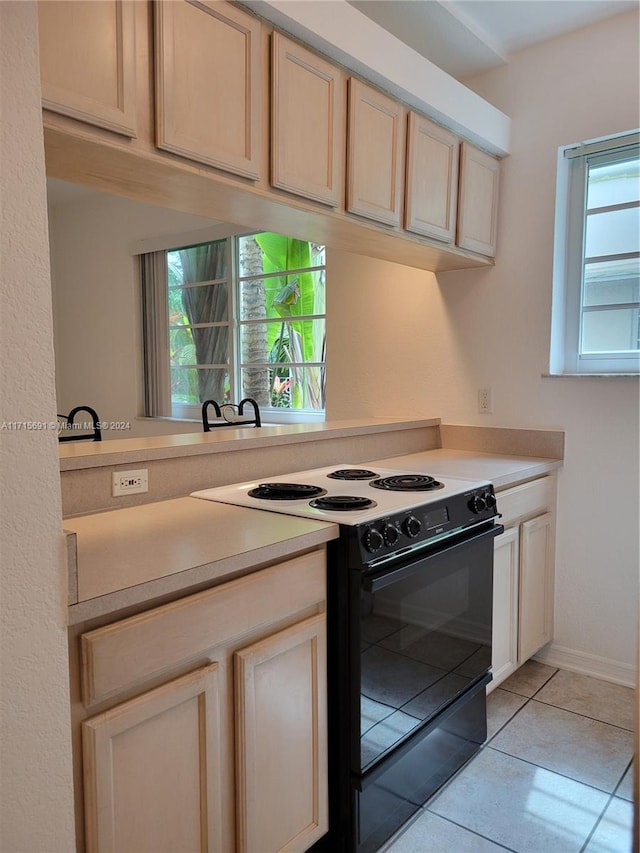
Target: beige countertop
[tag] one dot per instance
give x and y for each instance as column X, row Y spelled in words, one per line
column 88, row 454
column 501, row 470
column 125, row 557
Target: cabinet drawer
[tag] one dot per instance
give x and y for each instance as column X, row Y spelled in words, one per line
column 526, row 500
column 116, row 657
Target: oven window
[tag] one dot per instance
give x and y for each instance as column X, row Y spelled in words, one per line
column 424, row 639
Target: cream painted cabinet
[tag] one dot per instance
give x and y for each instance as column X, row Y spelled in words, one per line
column 536, row 585
column 281, row 737
column 308, row 123
column 523, row 575
column 87, row 61
column 478, row 201
column 504, row 659
column 209, row 66
column 152, row 769
column 431, row 191
column 204, row 721
column 375, row 154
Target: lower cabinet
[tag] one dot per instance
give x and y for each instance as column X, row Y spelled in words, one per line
column 523, row 575
column 281, row 739
column 152, row 769
column 229, row 755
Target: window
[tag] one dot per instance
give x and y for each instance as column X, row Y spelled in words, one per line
column 596, row 284
column 245, row 317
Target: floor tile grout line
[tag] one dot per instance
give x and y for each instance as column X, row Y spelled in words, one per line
column 579, row 714
column 535, row 692
column 506, row 722
column 556, row 772
column 597, row 823
column 472, row 831
column 624, row 773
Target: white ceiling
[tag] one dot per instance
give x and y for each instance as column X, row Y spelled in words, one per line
column 466, row 37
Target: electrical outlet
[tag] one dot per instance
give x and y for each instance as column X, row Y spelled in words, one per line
column 130, row 482
column 484, row 401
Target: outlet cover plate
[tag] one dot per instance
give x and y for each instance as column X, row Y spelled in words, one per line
column 130, row 482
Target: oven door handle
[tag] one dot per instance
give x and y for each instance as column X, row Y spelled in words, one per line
column 375, row 582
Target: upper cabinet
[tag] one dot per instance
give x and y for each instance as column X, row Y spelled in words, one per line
column 209, row 60
column 432, row 179
column 478, row 204
column 87, row 62
column 308, row 111
column 186, row 85
column 375, row 154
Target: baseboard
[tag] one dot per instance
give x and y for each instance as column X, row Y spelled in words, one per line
column 586, row 664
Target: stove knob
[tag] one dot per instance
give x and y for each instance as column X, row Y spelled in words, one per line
column 412, row 526
column 490, row 500
column 391, row 534
column 477, row 503
column 372, row 540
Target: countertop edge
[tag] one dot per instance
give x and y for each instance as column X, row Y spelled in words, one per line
column 534, row 471
column 191, row 580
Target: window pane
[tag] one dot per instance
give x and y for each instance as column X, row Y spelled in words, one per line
column 208, row 303
column 269, row 252
column 292, row 387
column 206, row 262
column 199, row 346
column 613, row 183
column 616, row 330
column 282, row 341
column 283, row 296
column 612, row 233
column 192, row 385
column 612, row 282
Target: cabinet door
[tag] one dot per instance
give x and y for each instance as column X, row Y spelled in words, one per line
column 536, row 585
column 478, row 204
column 504, row 658
column 208, row 105
column 153, row 770
column 375, row 154
column 87, row 61
column 432, row 179
column 281, row 737
column 307, row 122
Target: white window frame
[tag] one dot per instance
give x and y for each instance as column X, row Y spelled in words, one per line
column 566, row 357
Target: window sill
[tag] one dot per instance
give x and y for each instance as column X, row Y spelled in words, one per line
column 590, row 375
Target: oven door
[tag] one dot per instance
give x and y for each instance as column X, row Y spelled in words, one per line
column 423, row 638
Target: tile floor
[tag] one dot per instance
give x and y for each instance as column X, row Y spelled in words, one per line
column 553, row 777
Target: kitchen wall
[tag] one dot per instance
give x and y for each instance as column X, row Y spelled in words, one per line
column 382, row 321
column 430, row 344
column 36, row 808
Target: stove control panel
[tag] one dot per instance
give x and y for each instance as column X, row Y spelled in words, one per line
column 395, row 534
